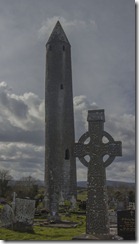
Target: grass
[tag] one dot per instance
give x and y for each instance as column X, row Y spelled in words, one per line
column 1, row 206
column 82, row 195
column 46, row 233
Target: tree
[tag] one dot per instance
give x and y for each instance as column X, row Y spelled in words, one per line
column 131, row 196
column 119, row 196
column 28, row 181
column 26, row 187
column 5, row 177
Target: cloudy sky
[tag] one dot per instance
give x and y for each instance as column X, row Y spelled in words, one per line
column 102, row 37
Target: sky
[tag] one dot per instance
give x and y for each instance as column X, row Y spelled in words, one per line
column 102, row 38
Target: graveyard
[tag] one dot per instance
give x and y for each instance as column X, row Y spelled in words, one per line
column 68, row 214
column 76, row 216
column 40, row 232
column 46, row 233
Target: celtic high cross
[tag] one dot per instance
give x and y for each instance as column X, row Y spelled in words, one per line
column 97, row 213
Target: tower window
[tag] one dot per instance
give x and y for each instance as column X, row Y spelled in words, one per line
column 67, row 154
column 63, row 48
column 61, row 86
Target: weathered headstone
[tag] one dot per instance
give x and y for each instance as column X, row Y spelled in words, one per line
column 97, row 221
column 126, row 224
column 7, row 216
column 13, row 202
column 112, row 217
column 61, row 200
column 73, row 202
column 45, row 201
column 24, row 214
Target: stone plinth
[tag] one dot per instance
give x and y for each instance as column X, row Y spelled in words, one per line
column 98, row 237
column 23, row 227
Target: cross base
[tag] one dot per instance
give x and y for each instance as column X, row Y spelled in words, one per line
column 54, row 218
column 22, row 227
column 97, row 237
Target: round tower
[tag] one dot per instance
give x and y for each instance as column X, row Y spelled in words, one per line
column 60, row 164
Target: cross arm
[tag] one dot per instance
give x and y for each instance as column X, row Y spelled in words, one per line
column 80, row 150
column 113, row 148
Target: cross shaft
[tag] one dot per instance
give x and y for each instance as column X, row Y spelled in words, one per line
column 97, row 213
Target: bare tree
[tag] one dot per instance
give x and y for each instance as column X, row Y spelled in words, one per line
column 5, row 177
column 26, row 187
column 28, row 181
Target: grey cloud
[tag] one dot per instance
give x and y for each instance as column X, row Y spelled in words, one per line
column 118, row 171
column 81, row 105
column 30, row 131
column 121, row 128
column 69, row 26
column 31, row 157
column 102, row 57
column 19, row 170
column 22, row 159
column 25, row 112
column 102, row 37
column 19, row 135
column 19, row 109
column 15, row 107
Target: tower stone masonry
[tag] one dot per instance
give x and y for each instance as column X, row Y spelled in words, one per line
column 60, row 164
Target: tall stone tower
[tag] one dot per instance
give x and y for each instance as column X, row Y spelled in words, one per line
column 60, row 164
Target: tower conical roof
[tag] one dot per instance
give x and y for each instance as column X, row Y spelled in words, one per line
column 58, row 34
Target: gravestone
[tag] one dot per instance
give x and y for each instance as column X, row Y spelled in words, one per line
column 97, row 220
column 61, row 200
column 24, row 214
column 73, row 202
column 13, row 202
column 112, row 217
column 7, row 216
column 126, row 224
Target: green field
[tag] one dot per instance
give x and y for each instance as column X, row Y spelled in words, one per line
column 46, row 233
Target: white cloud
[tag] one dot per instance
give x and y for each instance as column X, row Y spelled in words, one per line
column 81, row 105
column 25, row 112
column 121, row 128
column 22, row 135
column 103, row 64
column 22, row 159
column 3, row 84
column 121, row 172
column 81, row 172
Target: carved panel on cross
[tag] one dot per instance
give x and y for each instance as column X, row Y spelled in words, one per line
column 94, row 130
column 96, row 115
